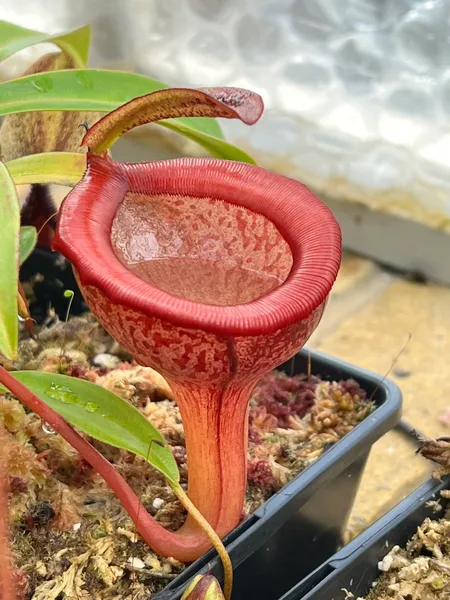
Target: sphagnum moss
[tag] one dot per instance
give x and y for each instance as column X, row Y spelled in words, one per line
column 88, row 533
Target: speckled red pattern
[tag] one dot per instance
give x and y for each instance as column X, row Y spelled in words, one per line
column 212, row 378
column 201, row 249
column 225, row 102
column 87, row 215
column 192, row 355
column 212, row 355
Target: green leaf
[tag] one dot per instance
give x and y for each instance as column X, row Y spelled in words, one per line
column 102, row 415
column 14, row 38
column 94, row 90
column 217, row 148
column 63, row 168
column 100, row 90
column 27, row 242
column 9, row 252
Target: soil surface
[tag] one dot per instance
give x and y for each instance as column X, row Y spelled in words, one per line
column 421, row 570
column 71, row 537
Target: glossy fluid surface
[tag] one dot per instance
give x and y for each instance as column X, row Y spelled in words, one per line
column 200, row 249
column 207, row 281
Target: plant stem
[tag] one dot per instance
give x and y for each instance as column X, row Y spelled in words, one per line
column 215, row 421
column 7, row 591
column 184, row 545
column 215, row 539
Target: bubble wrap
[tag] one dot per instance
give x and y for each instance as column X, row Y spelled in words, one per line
column 357, row 92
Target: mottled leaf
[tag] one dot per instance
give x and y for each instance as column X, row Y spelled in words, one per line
column 228, row 103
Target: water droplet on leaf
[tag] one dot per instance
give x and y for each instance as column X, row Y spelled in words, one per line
column 62, row 393
column 84, row 80
column 91, row 407
column 43, row 84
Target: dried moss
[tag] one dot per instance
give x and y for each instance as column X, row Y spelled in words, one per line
column 86, row 546
column 421, row 570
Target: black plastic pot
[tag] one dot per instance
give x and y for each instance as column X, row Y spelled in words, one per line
column 301, row 526
column 355, row 567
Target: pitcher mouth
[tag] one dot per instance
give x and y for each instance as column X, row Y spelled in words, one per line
column 304, row 222
column 203, row 249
